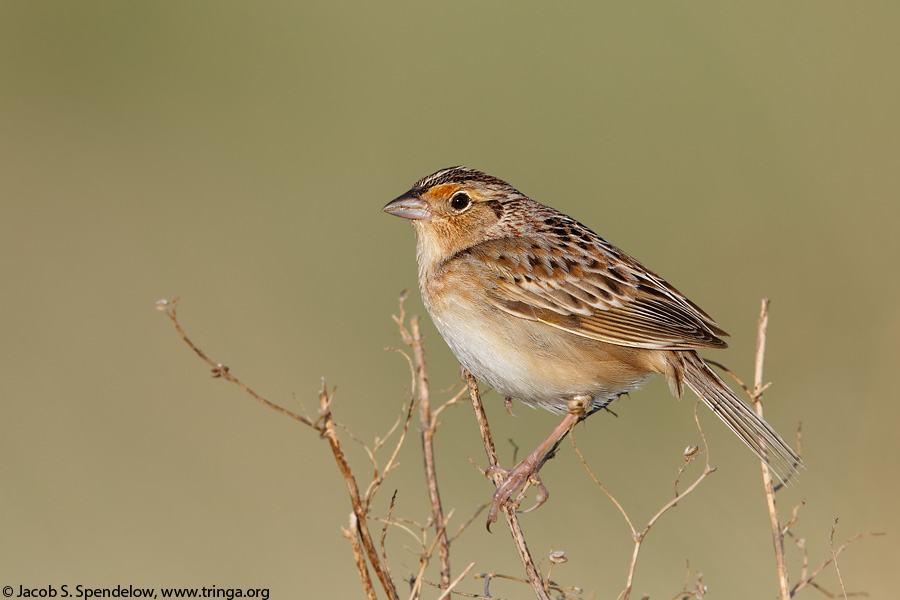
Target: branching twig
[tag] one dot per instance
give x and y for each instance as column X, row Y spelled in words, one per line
column 379, row 475
column 779, row 531
column 551, row 586
column 457, row 397
column 468, row 522
column 463, row 594
column 330, row 434
column 698, row 591
column 361, row 540
column 795, row 511
column 603, row 487
column 455, row 582
column 805, row 581
column 424, row 560
column 413, row 338
column 220, row 370
column 639, row 536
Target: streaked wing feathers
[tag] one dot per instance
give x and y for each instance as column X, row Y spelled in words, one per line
column 594, row 290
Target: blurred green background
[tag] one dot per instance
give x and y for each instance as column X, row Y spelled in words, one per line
column 238, row 154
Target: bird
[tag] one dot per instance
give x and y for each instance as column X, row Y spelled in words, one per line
column 545, row 311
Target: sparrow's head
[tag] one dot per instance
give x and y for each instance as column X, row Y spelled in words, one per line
column 455, row 209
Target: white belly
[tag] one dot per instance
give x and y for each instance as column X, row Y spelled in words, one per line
column 537, row 364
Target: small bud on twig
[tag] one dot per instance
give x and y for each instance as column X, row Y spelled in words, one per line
column 690, row 452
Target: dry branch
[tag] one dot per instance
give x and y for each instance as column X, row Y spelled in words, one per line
column 352, row 534
column 365, row 554
column 427, row 419
column 768, row 485
column 779, row 531
column 531, row 571
column 327, row 428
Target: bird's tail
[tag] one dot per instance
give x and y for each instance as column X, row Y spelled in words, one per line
column 736, row 414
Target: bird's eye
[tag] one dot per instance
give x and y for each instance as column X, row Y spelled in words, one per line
column 460, row 201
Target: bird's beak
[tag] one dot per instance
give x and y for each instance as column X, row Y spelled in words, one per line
column 408, row 206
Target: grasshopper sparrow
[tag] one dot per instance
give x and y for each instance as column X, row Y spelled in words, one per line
column 547, row 312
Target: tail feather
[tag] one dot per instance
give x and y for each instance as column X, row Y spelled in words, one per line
column 737, row 415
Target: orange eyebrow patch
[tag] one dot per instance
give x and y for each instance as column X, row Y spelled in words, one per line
column 442, row 191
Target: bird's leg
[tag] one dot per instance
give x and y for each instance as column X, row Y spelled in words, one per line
column 516, row 477
column 507, row 402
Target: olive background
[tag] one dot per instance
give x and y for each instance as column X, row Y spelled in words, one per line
column 238, row 155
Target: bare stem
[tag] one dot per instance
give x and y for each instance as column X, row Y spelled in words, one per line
column 835, row 560
column 428, row 429
column 413, row 337
column 603, row 487
column 534, row 578
column 352, row 534
column 330, row 433
column 768, row 485
column 455, row 582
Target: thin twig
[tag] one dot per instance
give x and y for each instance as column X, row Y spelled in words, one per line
column 531, row 571
column 804, row 564
column 795, row 511
column 732, row 374
column 427, row 419
column 556, row 558
column 493, row 575
column 699, row 590
column 220, row 370
column 384, row 558
column 804, row 581
column 424, row 559
column 639, row 537
column 465, row 525
column 352, row 534
column 603, row 487
column 463, row 594
column 330, row 433
column 428, row 430
column 456, row 581
column 378, row 477
column 456, row 399
column 834, row 558
column 327, row 428
column 760, row 348
column 403, row 524
column 768, row 485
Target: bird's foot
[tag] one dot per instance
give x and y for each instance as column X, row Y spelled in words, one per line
column 516, row 477
column 508, row 404
column 513, row 480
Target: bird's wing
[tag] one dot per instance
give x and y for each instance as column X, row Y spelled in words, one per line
column 593, row 290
